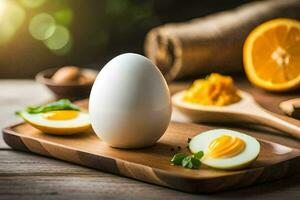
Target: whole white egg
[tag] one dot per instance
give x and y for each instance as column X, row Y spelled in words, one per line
column 130, row 104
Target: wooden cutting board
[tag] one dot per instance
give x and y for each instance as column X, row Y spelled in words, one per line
column 152, row 164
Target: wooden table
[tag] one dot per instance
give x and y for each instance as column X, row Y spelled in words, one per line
column 28, row 176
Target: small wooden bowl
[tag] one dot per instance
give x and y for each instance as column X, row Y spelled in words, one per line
column 72, row 91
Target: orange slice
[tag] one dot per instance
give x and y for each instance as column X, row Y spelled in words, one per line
column 271, row 55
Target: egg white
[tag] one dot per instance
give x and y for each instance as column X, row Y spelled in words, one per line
column 202, row 141
column 80, row 120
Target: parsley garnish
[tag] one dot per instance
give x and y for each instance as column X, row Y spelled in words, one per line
column 62, row 104
column 188, row 161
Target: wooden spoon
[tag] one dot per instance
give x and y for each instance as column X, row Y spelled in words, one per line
column 246, row 110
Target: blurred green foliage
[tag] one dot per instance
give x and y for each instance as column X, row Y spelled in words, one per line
column 92, row 31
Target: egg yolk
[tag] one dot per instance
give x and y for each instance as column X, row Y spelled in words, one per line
column 226, row 146
column 61, row 115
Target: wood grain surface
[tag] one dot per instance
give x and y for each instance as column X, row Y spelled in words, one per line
column 27, row 176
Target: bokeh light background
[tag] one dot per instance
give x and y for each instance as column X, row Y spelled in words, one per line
column 39, row 34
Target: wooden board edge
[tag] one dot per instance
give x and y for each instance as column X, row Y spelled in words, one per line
column 12, row 140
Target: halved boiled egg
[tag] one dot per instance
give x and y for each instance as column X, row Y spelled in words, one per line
column 225, row 149
column 58, row 122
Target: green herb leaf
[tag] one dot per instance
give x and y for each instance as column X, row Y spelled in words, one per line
column 62, row 104
column 196, row 163
column 191, row 162
column 188, row 161
column 199, row 155
column 177, row 158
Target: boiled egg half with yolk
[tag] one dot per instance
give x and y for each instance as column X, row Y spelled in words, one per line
column 58, row 122
column 225, row 149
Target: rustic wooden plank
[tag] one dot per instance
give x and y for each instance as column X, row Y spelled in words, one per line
column 15, row 163
column 80, row 187
column 69, row 181
column 26, row 176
